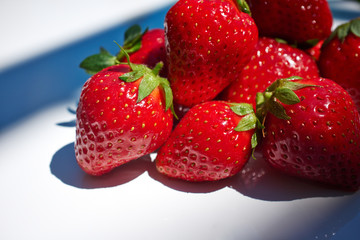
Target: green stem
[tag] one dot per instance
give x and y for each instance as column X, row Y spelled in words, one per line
column 157, row 68
column 122, row 50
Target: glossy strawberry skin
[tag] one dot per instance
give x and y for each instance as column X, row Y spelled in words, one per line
column 321, row 141
column 315, row 50
column 204, row 146
column 207, row 42
column 270, row 61
column 111, row 127
column 340, row 62
column 294, row 21
column 152, row 50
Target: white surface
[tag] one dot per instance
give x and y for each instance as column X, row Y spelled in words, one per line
column 45, row 195
column 32, row 27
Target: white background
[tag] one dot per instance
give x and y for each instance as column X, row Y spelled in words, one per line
column 32, row 27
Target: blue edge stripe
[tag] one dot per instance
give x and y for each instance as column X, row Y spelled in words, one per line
column 54, row 76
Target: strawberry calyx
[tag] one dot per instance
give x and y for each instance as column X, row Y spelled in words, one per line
column 280, row 91
column 248, row 121
column 132, row 41
column 304, row 45
column 104, row 59
column 243, row 6
column 343, row 30
column 150, row 80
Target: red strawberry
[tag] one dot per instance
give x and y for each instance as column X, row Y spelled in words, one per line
column 295, row 21
column 212, row 141
column 123, row 113
column 152, row 50
column 270, row 60
column 340, row 58
column 146, row 48
column 207, row 42
column 315, row 50
column 318, row 138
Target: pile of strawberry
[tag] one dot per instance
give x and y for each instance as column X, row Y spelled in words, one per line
column 222, row 79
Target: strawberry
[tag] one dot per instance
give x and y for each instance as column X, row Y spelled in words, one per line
column 314, row 133
column 340, row 58
column 207, row 42
column 270, row 60
column 152, row 50
column 315, row 50
column 124, row 113
column 146, row 48
column 294, row 21
column 212, row 141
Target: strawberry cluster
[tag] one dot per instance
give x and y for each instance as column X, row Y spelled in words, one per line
column 222, row 79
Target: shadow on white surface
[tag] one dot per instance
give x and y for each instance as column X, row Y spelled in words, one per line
column 65, row 168
column 257, row 180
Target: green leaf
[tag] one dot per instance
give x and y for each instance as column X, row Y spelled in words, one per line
column 332, row 35
column 246, row 123
column 242, row 109
column 136, row 46
column 254, row 141
column 273, row 86
column 278, row 110
column 282, row 83
column 260, row 99
column 295, row 86
column 280, row 40
column 243, row 6
column 286, row 95
column 355, row 27
column 259, row 125
column 312, row 42
column 168, row 93
column 98, row 62
column 147, row 85
column 132, row 42
column 131, row 34
column 343, row 31
column 131, row 76
column 104, row 51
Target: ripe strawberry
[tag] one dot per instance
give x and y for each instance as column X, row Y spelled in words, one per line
column 152, row 50
column 212, row 141
column 318, row 138
column 340, row 58
column 146, row 48
column 315, row 50
column 207, row 42
column 123, row 114
column 294, row 21
column 270, row 60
